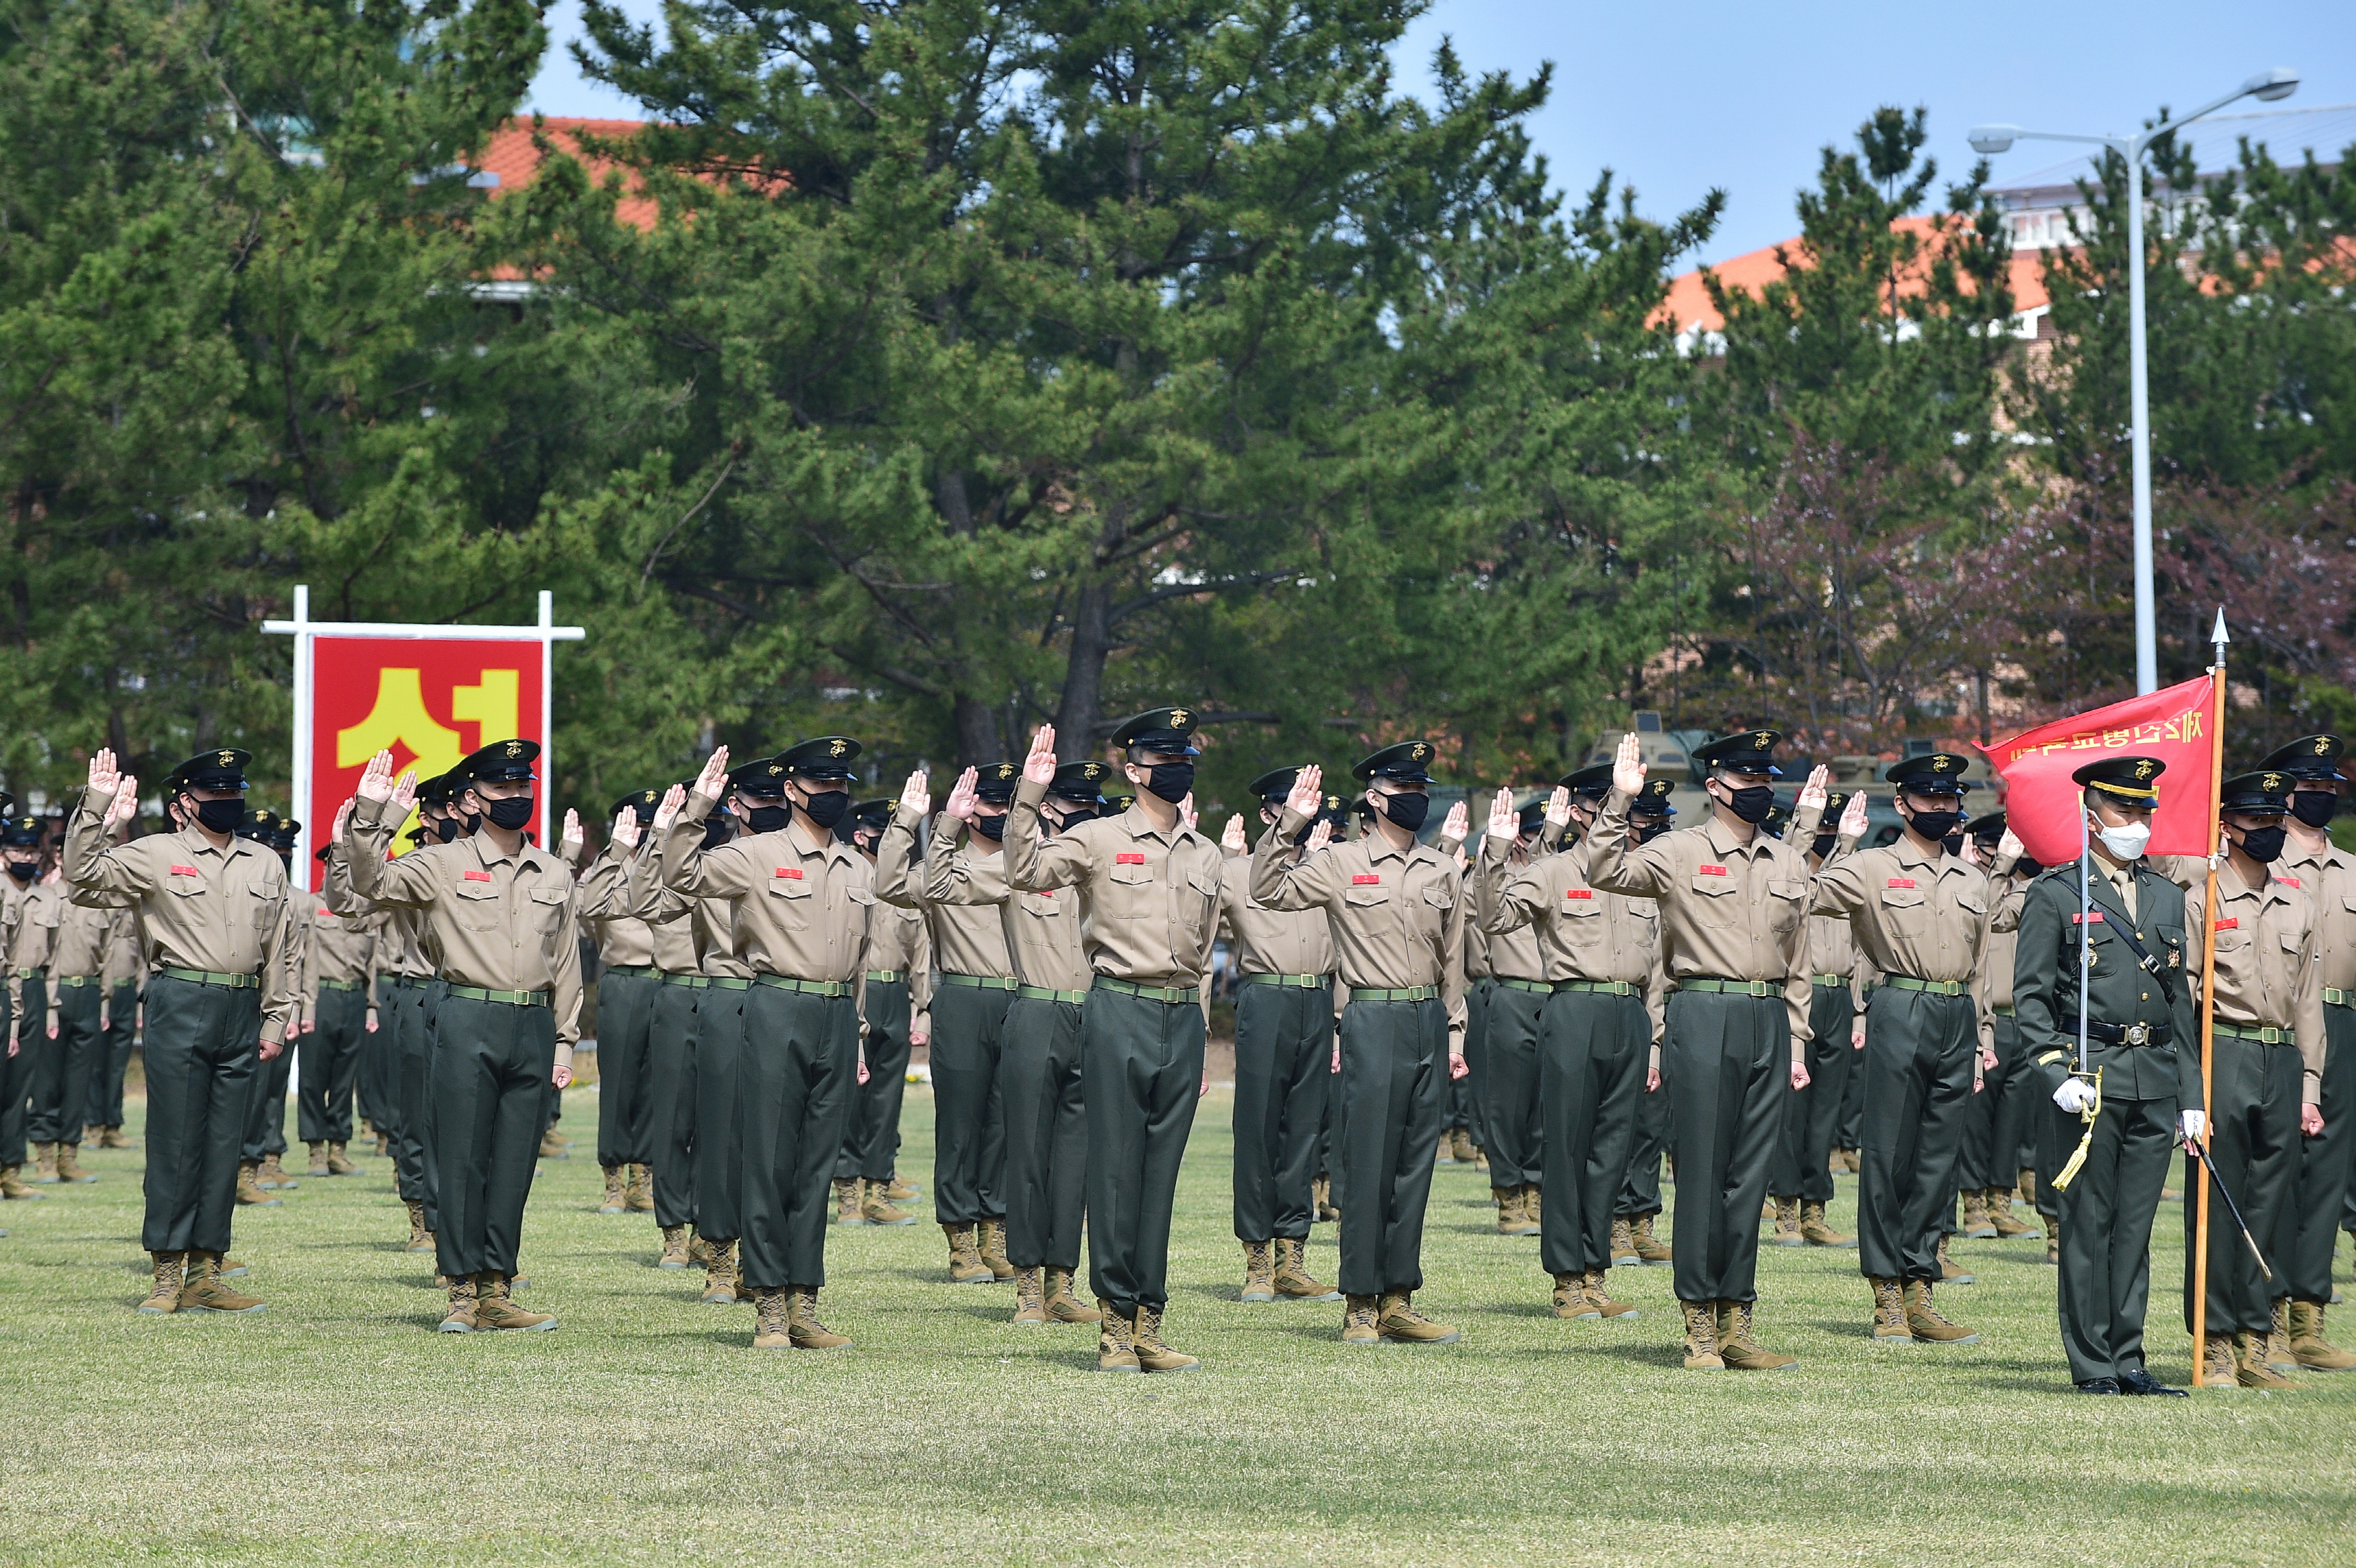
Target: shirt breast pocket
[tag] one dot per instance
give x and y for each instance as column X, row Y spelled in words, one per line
column 1366, row 895
column 1127, row 891
column 477, row 907
column 1905, row 911
column 2233, row 940
column 1716, row 900
column 547, row 909
column 1787, row 906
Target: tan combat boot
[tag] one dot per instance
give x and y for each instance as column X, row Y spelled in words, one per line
column 553, row 1147
column 899, row 1192
column 1569, row 1299
column 1787, row 1223
column 1062, row 1304
column 229, row 1268
column 10, row 1186
column 1890, row 1312
column 1513, row 1211
column 1445, row 1153
column 421, row 1240
column 1597, row 1299
column 1293, row 1281
column 1701, row 1336
column 1739, row 1350
column 44, row 1164
column 1260, row 1272
column 802, row 1325
column 171, row 1273
column 850, row 1193
column 1950, row 1273
column 1978, row 1226
column 458, row 1318
column 111, row 1138
column 1926, row 1323
column 1816, row 1231
column 383, row 1144
column 1624, row 1243
column 966, row 1267
column 719, row 1276
column 1321, row 1193
column 638, row 1190
column 2009, row 1226
column 611, row 1203
column 877, row 1208
column 1534, row 1203
column 674, row 1248
column 2278, row 1354
column 1358, row 1321
column 2250, row 1369
column 699, row 1251
column 1462, row 1146
column 340, row 1163
column 2315, row 1352
column 249, row 1187
column 1114, row 1351
column 1152, row 1355
column 990, row 1243
column 495, row 1308
column 2027, row 1185
column 70, row 1171
column 773, row 1312
column 274, row 1177
column 1401, row 1324
column 1650, row 1249
column 2219, row 1367
column 319, row 1166
column 1030, row 1297
column 204, row 1291
column 2053, row 1239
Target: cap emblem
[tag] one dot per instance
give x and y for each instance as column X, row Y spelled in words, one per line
column 515, row 748
column 1179, row 718
column 229, row 759
column 1418, row 751
column 2144, row 768
column 1765, row 738
column 2271, row 782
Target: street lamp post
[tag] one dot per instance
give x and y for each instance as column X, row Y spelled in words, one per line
column 2269, row 86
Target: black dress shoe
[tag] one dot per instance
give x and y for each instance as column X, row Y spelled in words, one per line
column 2099, row 1385
column 2141, row 1382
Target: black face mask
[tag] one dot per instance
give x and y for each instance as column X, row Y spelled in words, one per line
column 512, row 814
column 220, row 815
column 826, row 810
column 769, row 818
column 1822, row 845
column 1753, row 803
column 23, row 870
column 1174, row 782
column 445, row 828
column 990, row 827
column 1407, row 811
column 717, row 829
column 2314, row 808
column 2265, row 845
column 1648, row 831
column 1936, row 825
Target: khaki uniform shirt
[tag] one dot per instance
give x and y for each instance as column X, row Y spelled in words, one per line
column 1271, row 941
column 1041, row 930
column 1729, row 911
column 1516, row 952
column 1149, row 898
column 84, row 934
column 898, row 942
column 793, row 911
column 32, row 943
column 337, row 949
column 222, row 910
column 400, row 933
column 1920, row 916
column 499, row 922
column 969, row 937
column 623, row 940
column 2329, row 879
column 1397, row 917
column 668, row 917
column 1582, row 931
column 2269, row 967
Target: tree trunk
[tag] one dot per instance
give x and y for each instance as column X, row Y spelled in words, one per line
column 976, row 732
column 1082, row 699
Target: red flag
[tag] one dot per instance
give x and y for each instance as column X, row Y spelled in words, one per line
column 2176, row 724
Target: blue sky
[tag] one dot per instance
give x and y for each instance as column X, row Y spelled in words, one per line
column 1742, row 96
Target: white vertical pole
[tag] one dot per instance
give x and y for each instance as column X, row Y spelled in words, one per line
column 300, row 793
column 548, row 816
column 2146, row 625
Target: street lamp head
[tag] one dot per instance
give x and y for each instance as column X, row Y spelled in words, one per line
column 1992, row 139
column 2272, row 86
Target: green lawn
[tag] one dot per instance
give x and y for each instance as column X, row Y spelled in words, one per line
column 335, row 1428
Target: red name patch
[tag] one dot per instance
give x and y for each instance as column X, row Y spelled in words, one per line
column 328, row 914
column 478, row 875
column 1361, row 882
column 791, row 873
column 1578, row 892
column 2231, row 922
column 1901, row 881
column 2094, row 919
column 184, row 870
column 1129, row 859
column 1712, row 871
column 2287, row 881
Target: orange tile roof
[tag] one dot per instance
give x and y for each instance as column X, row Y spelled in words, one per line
column 1689, row 306
column 511, row 156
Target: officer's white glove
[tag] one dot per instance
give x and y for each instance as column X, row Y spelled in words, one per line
column 2191, row 1124
column 2076, row 1094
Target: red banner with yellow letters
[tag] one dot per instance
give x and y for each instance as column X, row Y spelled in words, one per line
column 2177, row 725
column 431, row 703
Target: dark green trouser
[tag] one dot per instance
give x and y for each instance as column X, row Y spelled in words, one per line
column 2303, row 1243
column 15, row 1078
column 201, row 1051
column 79, row 1049
column 1394, row 1078
column 1462, row 1103
column 372, row 1087
column 969, row 1121
column 625, row 1102
column 415, row 1170
column 1513, row 1122
column 1804, row 1142
column 2253, row 1141
column 489, row 1085
column 2011, row 1092
column 721, row 1086
column 45, row 1087
column 671, row 1083
column 1848, row 1128
column 1592, row 1053
column 331, row 1057
column 1640, row 1189
column 1284, row 1048
column 871, row 1132
column 1726, row 1064
column 1140, row 1074
column 1047, row 1133
column 800, row 1063
column 2107, row 1214
column 1918, row 1084
column 265, row 1113
column 121, row 1033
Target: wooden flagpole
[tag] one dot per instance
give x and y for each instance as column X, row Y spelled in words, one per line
column 2208, row 999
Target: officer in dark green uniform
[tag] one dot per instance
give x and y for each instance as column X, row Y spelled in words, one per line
column 2140, row 1038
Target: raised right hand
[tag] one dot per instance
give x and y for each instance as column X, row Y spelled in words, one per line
column 126, row 802
column 667, row 810
column 1558, row 812
column 104, row 775
column 1308, row 790
column 626, row 827
column 376, row 779
column 1038, row 767
column 1505, row 822
column 1232, row 840
column 1813, row 795
column 917, row 795
column 1628, row 767
column 714, row 776
column 1853, row 816
column 962, row 796
column 1319, row 835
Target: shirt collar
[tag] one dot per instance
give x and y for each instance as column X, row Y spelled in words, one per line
column 1722, row 839
column 196, row 843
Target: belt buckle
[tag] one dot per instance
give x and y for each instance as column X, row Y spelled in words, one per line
column 2136, row 1034
column 1759, row 989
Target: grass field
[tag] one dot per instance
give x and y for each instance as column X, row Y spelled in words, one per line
column 335, row 1428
